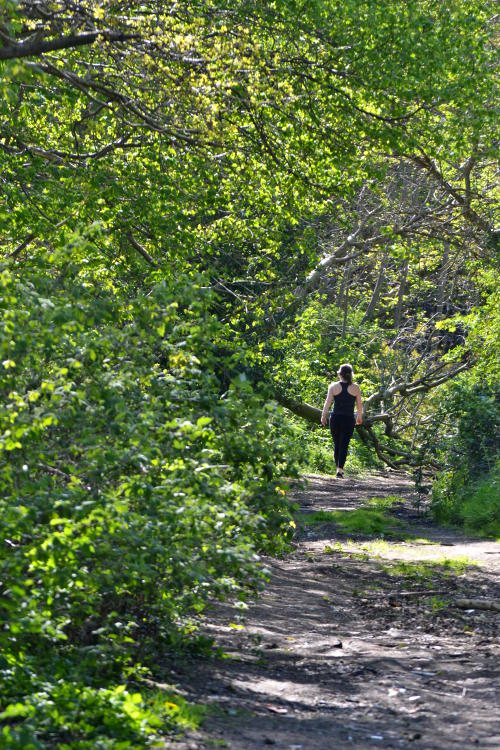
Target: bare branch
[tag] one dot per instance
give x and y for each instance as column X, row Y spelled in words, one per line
column 22, row 246
column 493, row 604
column 425, row 162
column 35, row 46
column 314, row 278
column 141, row 250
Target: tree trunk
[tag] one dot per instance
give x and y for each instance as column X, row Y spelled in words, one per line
column 376, row 292
column 443, row 280
column 399, row 306
column 346, row 299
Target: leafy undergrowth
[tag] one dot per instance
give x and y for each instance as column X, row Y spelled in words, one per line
column 467, row 492
column 73, row 716
column 140, row 477
column 476, row 506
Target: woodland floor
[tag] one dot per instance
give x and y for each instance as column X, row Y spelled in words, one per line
column 333, row 655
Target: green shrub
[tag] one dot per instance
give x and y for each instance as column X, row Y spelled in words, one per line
column 318, row 451
column 84, row 718
column 480, row 509
column 475, row 505
column 140, row 478
column 466, row 491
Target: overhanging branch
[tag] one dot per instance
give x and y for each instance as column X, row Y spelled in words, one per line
column 306, row 411
column 141, row 250
column 34, row 46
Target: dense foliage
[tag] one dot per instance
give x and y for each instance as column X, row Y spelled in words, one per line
column 207, row 208
column 137, row 485
column 467, row 490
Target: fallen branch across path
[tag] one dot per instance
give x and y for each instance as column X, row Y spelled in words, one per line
column 401, row 452
column 493, row 604
column 405, row 594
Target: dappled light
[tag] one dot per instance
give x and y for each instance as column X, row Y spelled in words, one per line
column 344, row 646
column 249, row 374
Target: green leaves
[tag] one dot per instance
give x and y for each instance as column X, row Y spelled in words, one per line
column 147, row 489
column 165, row 197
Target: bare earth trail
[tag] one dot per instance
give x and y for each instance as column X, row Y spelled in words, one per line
column 343, row 650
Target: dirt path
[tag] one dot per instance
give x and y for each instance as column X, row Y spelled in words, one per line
column 336, row 655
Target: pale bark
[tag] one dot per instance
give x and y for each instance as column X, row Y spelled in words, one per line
column 493, row 604
column 370, row 310
column 36, row 46
column 401, row 291
column 346, row 300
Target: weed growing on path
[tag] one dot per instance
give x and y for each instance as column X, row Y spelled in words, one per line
column 362, row 520
column 428, row 571
column 382, row 503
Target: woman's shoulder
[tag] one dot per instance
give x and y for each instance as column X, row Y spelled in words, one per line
column 355, row 387
column 334, row 385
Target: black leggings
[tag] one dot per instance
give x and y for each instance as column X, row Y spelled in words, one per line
column 341, row 427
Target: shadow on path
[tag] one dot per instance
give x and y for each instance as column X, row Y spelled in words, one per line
column 345, row 649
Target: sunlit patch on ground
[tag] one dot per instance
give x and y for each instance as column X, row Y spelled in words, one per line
column 458, row 557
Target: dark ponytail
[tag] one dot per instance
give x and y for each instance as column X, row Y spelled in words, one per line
column 345, row 372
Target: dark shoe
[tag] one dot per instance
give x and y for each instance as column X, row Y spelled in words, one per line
column 340, row 474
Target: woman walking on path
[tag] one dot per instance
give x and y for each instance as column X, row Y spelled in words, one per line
column 343, row 394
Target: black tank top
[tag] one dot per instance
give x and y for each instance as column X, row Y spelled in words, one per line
column 344, row 402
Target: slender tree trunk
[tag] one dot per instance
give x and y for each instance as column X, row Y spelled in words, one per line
column 443, row 280
column 401, row 291
column 376, row 292
column 340, row 295
column 346, row 299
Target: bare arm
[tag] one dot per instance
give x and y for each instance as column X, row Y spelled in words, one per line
column 359, row 407
column 327, row 404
